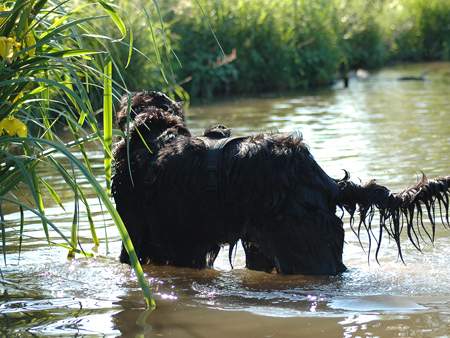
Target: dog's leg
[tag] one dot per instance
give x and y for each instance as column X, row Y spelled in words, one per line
column 304, row 241
column 211, row 255
column 255, row 259
column 311, row 243
column 134, row 229
column 175, row 241
column 198, row 257
column 132, row 217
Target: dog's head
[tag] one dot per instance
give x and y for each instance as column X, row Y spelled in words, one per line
column 144, row 102
column 157, row 127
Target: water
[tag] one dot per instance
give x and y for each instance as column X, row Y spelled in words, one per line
column 378, row 128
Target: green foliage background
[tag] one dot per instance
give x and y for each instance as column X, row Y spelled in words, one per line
column 280, row 45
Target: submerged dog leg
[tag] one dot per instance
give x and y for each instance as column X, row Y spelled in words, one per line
column 303, row 241
column 255, row 259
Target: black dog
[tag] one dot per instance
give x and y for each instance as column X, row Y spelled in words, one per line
column 182, row 197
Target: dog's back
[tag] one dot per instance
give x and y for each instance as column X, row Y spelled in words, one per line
column 270, row 192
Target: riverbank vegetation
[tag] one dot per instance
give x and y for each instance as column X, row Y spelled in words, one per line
column 216, row 48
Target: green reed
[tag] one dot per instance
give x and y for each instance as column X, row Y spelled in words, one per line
column 107, row 122
column 53, row 62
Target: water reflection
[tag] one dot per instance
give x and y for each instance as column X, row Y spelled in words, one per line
column 378, row 128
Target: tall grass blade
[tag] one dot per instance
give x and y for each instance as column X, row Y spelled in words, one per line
column 2, row 221
column 107, row 122
column 130, row 48
column 75, row 221
column 210, row 26
column 40, row 200
column 115, row 17
column 155, row 46
column 22, row 221
column 55, row 196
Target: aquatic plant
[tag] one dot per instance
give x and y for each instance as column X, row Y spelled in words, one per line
column 48, row 76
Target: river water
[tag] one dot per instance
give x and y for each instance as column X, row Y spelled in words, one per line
column 379, row 127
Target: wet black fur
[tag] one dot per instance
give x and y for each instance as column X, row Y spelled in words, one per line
column 271, row 194
column 396, row 210
column 217, row 132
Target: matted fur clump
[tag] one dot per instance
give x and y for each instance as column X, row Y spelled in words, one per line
column 182, row 197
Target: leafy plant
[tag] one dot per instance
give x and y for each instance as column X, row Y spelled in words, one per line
column 48, row 76
column 267, row 46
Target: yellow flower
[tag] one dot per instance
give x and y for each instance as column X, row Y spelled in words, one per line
column 7, row 48
column 13, row 127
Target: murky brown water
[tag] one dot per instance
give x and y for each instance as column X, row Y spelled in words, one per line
column 378, row 128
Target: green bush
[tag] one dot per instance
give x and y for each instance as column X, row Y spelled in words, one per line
column 360, row 34
column 215, row 48
column 434, row 27
column 279, row 46
column 417, row 30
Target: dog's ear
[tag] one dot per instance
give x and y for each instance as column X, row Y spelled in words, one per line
column 136, row 103
column 154, row 123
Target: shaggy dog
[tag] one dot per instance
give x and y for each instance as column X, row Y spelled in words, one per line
column 181, row 197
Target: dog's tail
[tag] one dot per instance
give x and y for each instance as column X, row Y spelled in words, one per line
column 396, row 209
